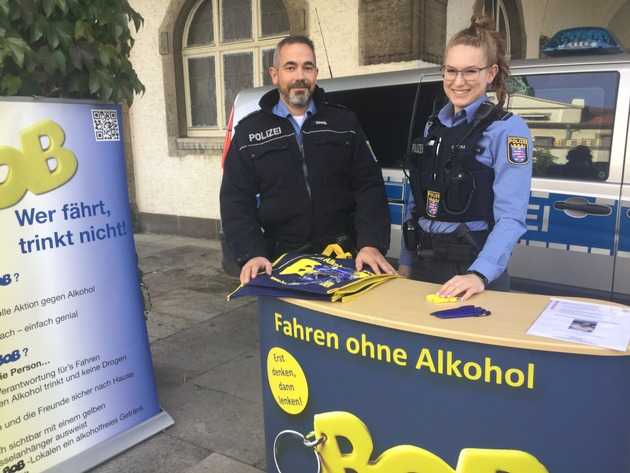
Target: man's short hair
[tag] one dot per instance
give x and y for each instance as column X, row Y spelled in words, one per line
column 297, row 39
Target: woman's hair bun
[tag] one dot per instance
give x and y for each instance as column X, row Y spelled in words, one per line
column 482, row 22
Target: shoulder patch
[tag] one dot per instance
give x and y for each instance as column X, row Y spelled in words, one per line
column 517, row 152
column 417, row 147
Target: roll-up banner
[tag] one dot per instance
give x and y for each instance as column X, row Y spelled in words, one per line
column 76, row 377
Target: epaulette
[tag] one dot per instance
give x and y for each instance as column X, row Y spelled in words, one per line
column 258, row 110
column 491, row 112
column 485, row 111
column 336, row 105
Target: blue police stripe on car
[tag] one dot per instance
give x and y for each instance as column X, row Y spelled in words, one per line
column 547, row 226
column 395, row 192
column 624, row 240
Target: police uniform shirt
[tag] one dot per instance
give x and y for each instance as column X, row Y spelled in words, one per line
column 281, row 110
column 503, row 151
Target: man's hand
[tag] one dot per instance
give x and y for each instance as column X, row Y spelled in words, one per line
column 253, row 267
column 468, row 284
column 368, row 255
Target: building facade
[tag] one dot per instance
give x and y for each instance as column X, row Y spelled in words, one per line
column 195, row 55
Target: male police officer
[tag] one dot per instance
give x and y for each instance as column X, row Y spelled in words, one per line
column 300, row 174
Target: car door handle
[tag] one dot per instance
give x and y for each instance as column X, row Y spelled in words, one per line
column 582, row 206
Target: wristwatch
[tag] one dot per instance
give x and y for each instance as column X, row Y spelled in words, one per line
column 484, row 279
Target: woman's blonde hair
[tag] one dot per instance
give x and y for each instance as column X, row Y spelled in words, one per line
column 482, row 34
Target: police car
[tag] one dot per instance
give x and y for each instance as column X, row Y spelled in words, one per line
column 577, row 107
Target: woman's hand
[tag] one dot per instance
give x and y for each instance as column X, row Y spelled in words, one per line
column 467, row 284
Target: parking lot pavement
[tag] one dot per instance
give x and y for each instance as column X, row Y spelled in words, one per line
column 206, row 361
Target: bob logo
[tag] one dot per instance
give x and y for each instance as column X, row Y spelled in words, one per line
column 42, row 165
column 406, row 458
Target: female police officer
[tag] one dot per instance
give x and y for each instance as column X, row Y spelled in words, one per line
column 471, row 174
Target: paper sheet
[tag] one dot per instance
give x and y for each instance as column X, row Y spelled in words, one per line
column 582, row 322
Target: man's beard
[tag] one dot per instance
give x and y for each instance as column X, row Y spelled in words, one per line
column 299, row 99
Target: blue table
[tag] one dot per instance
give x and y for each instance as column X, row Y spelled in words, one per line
column 380, row 368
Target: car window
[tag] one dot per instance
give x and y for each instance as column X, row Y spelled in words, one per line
column 385, row 113
column 571, row 118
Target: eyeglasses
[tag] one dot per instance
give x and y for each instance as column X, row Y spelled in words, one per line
column 470, row 74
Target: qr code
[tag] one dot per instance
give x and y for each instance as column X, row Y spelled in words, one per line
column 105, row 125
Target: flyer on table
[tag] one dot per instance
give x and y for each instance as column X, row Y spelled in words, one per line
column 75, row 366
column 600, row 325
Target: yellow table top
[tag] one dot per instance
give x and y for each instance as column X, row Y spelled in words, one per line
column 400, row 304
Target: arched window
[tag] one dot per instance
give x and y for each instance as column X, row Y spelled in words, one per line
column 227, row 46
column 509, row 22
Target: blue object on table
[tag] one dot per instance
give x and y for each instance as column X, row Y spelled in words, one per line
column 463, row 311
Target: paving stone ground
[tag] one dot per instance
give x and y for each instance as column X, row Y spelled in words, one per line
column 206, row 361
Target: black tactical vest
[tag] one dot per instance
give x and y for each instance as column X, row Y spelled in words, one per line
column 448, row 182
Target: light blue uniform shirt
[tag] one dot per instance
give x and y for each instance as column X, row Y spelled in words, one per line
column 281, row 110
column 512, row 183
